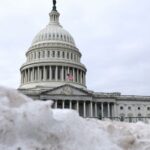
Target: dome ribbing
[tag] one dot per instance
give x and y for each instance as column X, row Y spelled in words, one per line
column 53, row 32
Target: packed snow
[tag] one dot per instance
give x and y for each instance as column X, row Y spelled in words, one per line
column 33, row 125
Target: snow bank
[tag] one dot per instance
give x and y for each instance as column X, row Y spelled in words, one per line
column 33, row 125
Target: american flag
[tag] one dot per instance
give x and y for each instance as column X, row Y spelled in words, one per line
column 69, row 77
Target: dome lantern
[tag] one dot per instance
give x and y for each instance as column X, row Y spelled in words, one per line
column 54, row 15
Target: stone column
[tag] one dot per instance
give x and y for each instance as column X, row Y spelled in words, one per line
column 81, row 79
column 102, row 110
column 38, row 73
column 50, row 73
column 62, row 74
column 21, row 78
column 28, row 75
column 91, row 108
column 32, row 74
column 44, row 73
column 96, row 109
column 84, row 109
column 108, row 108
column 77, row 106
column 77, row 75
column 115, row 110
column 68, row 70
column 56, row 104
column 56, row 73
column 24, row 76
column 70, row 104
column 73, row 74
column 35, row 74
column 84, row 82
column 63, row 104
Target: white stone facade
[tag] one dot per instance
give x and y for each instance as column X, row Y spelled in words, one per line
column 53, row 71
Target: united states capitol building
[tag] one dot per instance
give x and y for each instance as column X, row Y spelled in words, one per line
column 53, row 71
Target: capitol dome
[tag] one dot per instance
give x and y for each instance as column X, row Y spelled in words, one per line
column 53, row 59
column 53, row 33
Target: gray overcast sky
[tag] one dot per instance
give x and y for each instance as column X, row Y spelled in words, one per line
column 113, row 36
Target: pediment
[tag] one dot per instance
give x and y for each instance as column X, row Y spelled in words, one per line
column 66, row 90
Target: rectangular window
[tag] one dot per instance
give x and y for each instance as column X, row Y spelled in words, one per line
column 48, row 54
column 39, row 55
column 67, row 55
column 53, row 54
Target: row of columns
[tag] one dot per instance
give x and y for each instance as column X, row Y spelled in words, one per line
column 52, row 73
column 90, row 109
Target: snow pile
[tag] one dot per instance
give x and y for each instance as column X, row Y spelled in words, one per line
column 33, row 125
